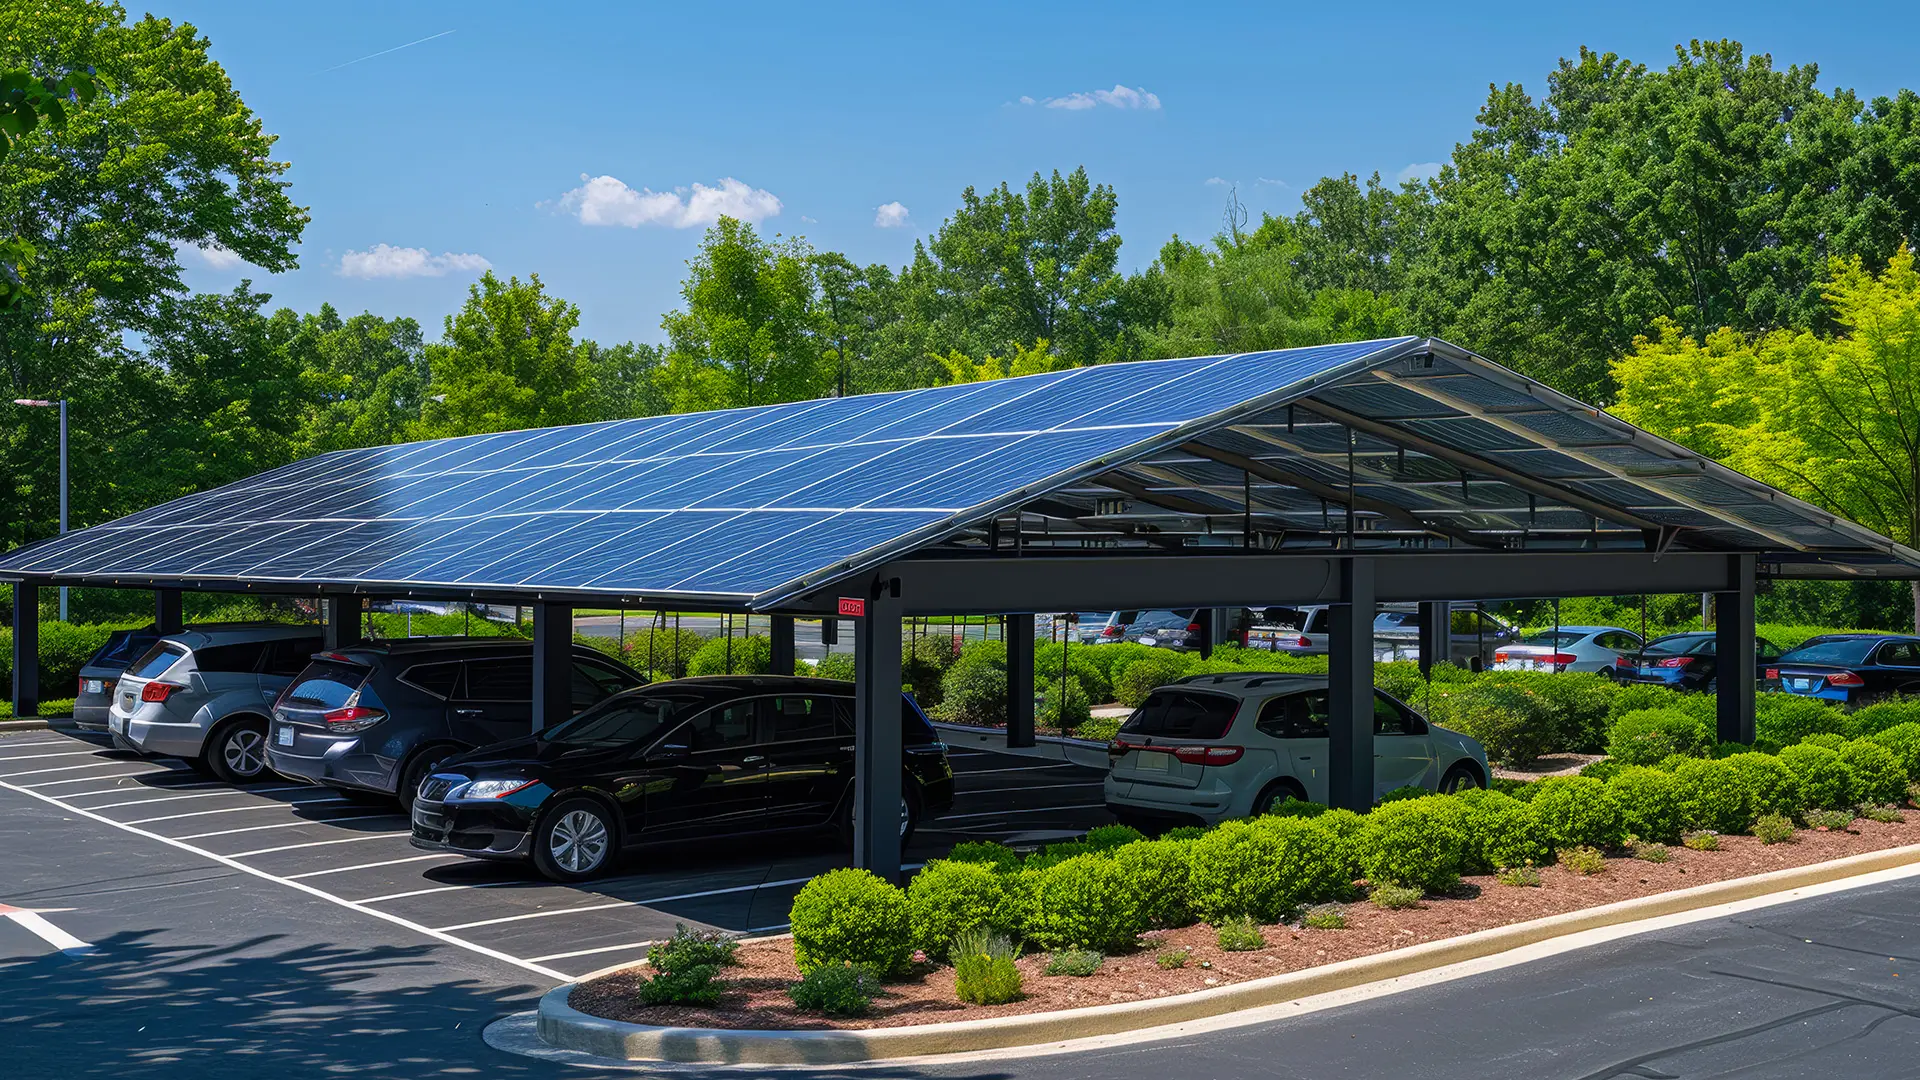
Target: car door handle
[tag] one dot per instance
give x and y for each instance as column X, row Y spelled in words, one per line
column 752, row 759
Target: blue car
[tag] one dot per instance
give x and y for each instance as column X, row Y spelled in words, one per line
column 1683, row 661
column 1851, row 670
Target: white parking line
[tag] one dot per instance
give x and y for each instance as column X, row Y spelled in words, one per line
column 371, row 865
column 238, row 809
column 1034, row 810
column 322, row 894
column 590, row 952
column 44, row 930
column 1015, row 768
column 196, row 795
column 11, row 745
column 285, row 825
column 100, row 764
column 124, row 790
column 63, row 753
column 438, row 889
column 1036, row 787
column 90, row 779
column 643, row 903
column 316, row 843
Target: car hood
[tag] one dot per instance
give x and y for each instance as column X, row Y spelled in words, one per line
column 528, row 754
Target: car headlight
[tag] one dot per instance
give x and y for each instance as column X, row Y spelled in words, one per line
column 489, row 789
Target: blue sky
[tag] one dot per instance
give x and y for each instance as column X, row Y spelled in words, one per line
column 568, row 139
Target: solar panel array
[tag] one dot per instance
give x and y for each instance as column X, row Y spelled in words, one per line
column 722, row 504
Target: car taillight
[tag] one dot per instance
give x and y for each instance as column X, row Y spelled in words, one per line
column 1208, row 755
column 1499, row 658
column 1845, row 678
column 1193, row 628
column 1303, row 641
column 1111, row 631
column 1773, row 673
column 352, row 718
column 156, row 691
column 1676, row 661
column 1562, row 659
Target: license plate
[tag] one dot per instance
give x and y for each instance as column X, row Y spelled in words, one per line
column 1148, row 640
column 1802, row 684
column 284, row 736
column 93, row 686
column 1151, row 761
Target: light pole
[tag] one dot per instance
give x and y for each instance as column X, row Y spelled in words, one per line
column 35, row 403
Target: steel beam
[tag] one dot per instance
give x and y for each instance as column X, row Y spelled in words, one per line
column 780, row 636
column 1019, row 681
column 1350, row 690
column 1734, row 641
column 167, row 617
column 344, row 622
column 1039, row 582
column 26, row 649
column 552, row 664
column 878, row 755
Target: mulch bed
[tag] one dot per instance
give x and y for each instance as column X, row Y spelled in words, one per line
column 756, row 991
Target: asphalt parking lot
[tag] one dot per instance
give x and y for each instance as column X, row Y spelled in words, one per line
column 354, row 851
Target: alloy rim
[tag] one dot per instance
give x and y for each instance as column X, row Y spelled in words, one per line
column 579, row 841
column 243, row 752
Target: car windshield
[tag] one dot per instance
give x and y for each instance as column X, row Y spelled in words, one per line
column 326, row 684
column 1676, row 646
column 1283, row 619
column 1182, row 714
column 618, row 721
column 1092, row 618
column 158, row 659
column 1160, row 620
column 1562, row 640
column 1853, row 651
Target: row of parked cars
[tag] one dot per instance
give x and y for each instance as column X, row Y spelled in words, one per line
column 443, row 726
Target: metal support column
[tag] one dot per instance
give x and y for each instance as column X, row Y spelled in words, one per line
column 780, row 635
column 1019, row 681
column 877, row 756
column 1436, row 635
column 344, row 621
column 552, row 664
column 1734, row 653
column 829, row 632
column 1350, row 698
column 26, row 650
column 167, row 617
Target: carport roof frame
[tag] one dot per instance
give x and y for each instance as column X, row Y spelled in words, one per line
column 1332, row 451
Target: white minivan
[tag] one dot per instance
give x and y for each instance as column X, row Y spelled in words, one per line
column 1213, row 747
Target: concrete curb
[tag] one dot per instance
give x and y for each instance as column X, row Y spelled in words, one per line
column 563, row 1026
column 31, row 723
column 1084, row 752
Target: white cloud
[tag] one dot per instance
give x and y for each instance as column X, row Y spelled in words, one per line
column 212, row 256
column 809, row 220
column 1419, row 170
column 889, row 216
column 1120, row 97
column 1214, row 181
column 606, row 200
column 1273, row 183
column 387, row 261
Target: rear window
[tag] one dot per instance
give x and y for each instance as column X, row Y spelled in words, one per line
column 1561, row 640
column 1831, row 652
column 123, row 648
column 240, row 656
column 162, row 656
column 1182, row 714
column 1674, row 646
column 326, row 684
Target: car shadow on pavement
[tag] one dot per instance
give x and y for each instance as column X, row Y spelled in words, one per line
column 255, row 1008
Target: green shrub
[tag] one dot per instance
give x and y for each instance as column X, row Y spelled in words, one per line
column 1078, row 963
column 1395, row 897
column 1648, row 851
column 1826, row 739
column 984, row 972
column 1325, row 917
column 1184, row 832
column 1410, row 791
column 1173, row 959
column 662, row 649
column 1649, row 803
column 1784, row 719
column 1055, row 854
column 1651, row 735
column 1767, row 785
column 1831, row 820
column 1241, row 934
column 1086, row 902
column 1099, row 728
column 1904, row 740
column 835, row 666
column 1574, row 811
column 1826, row 781
column 1773, row 828
column 1881, row 715
column 1066, row 712
column 947, row 899
column 1513, row 724
column 1636, row 697
column 851, row 916
column 924, row 660
column 1878, row 774
column 737, row 656
column 839, row 989
column 1415, row 842
column 973, row 693
column 1159, row 870
column 1342, row 829
column 1262, row 868
column 1518, row 876
column 1712, row 795
column 688, row 986
column 1583, row 860
column 1603, row 770
column 1881, row 812
column 1283, row 806
column 1500, row 830
column 999, row 856
column 1091, row 676
column 1701, row 840
column 1578, row 705
column 1138, row 679
column 689, row 948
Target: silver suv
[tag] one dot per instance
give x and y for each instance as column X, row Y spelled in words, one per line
column 204, row 695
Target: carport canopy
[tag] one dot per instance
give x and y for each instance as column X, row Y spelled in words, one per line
column 1404, row 469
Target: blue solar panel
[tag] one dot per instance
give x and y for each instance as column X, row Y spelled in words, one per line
column 734, row 503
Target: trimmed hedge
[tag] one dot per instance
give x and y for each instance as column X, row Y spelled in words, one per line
column 1826, row 781
column 946, row 900
column 852, row 917
column 1574, row 811
column 1650, row 736
column 1418, row 843
column 1649, row 802
column 1086, row 902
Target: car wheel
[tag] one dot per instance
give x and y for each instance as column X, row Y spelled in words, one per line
column 1276, row 792
column 574, row 840
column 418, row 769
column 1462, row 777
column 909, row 817
column 237, row 753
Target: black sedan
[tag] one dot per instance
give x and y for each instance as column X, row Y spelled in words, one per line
column 1683, row 661
column 1851, row 670
column 687, row 760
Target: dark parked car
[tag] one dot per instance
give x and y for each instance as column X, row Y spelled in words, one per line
column 1851, row 670
column 1179, row 630
column 93, row 697
column 1683, row 661
column 693, row 759
column 380, row 716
